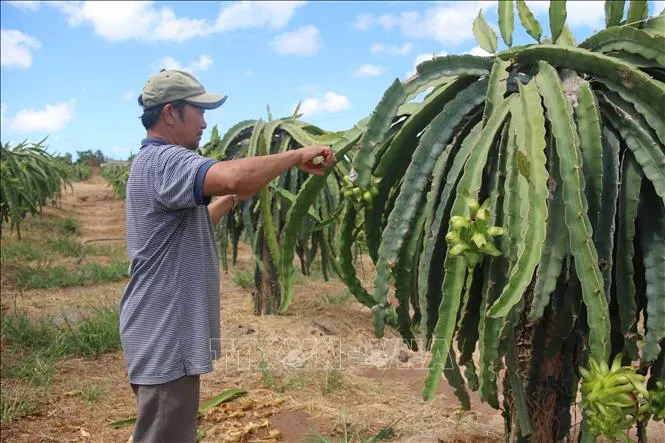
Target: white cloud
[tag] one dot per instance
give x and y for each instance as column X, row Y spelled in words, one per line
column 52, row 118
column 169, row 63
column 16, row 48
column 329, row 102
column 308, row 89
column 448, row 22
column 129, row 95
column 451, row 22
column 586, row 13
column 249, row 74
column 120, row 21
column 201, row 64
column 245, row 15
column 146, row 21
column 478, row 51
column 26, row 5
column 540, row 7
column 658, row 7
column 590, row 13
column 390, row 21
column 421, row 58
column 363, row 22
column 379, row 48
column 119, row 151
column 306, row 40
column 369, row 71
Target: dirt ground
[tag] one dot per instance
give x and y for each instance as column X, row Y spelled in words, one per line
column 318, row 368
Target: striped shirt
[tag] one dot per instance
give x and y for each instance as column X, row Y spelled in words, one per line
column 169, row 312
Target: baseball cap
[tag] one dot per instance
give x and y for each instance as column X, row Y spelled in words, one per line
column 169, row 85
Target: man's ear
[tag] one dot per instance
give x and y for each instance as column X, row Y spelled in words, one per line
column 168, row 114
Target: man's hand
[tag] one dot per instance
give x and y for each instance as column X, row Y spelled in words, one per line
column 246, row 176
column 309, row 153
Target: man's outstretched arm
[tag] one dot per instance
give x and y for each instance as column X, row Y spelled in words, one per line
column 246, row 176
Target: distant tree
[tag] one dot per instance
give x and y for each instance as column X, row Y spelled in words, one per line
column 100, row 156
column 67, row 158
column 88, row 157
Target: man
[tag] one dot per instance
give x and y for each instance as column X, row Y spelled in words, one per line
column 169, row 313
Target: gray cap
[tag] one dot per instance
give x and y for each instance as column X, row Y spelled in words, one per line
column 169, row 85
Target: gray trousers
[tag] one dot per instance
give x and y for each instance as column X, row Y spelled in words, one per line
column 167, row 412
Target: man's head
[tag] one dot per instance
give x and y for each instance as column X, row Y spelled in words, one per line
column 173, row 104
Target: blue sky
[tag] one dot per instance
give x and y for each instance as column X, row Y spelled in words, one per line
column 73, row 70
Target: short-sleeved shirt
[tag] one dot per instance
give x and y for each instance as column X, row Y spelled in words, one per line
column 170, row 310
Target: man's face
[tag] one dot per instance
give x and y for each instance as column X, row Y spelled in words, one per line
column 188, row 130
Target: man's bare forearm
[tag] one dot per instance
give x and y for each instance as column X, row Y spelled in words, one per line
column 246, row 176
column 220, row 207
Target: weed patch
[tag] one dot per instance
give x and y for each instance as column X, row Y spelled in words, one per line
column 89, row 392
column 281, row 383
column 244, row 279
column 42, row 340
column 21, row 332
column 32, row 347
column 337, row 300
column 14, row 404
column 331, row 382
column 68, row 226
column 42, row 259
column 34, row 368
column 92, row 336
column 47, row 276
column 64, row 246
column 355, row 434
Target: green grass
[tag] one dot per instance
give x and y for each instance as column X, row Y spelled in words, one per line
column 24, row 333
column 64, row 246
column 13, row 405
column 34, row 368
column 331, row 382
column 22, row 251
column 89, row 392
column 46, row 257
column 32, row 347
column 299, row 279
column 99, row 249
column 282, row 383
column 42, row 339
column 352, row 434
column 68, row 226
column 336, row 300
column 92, row 335
column 244, row 279
column 46, row 276
column 267, row 374
column 35, row 262
column 14, row 251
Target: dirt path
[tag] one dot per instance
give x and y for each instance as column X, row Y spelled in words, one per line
column 93, row 204
column 102, row 222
